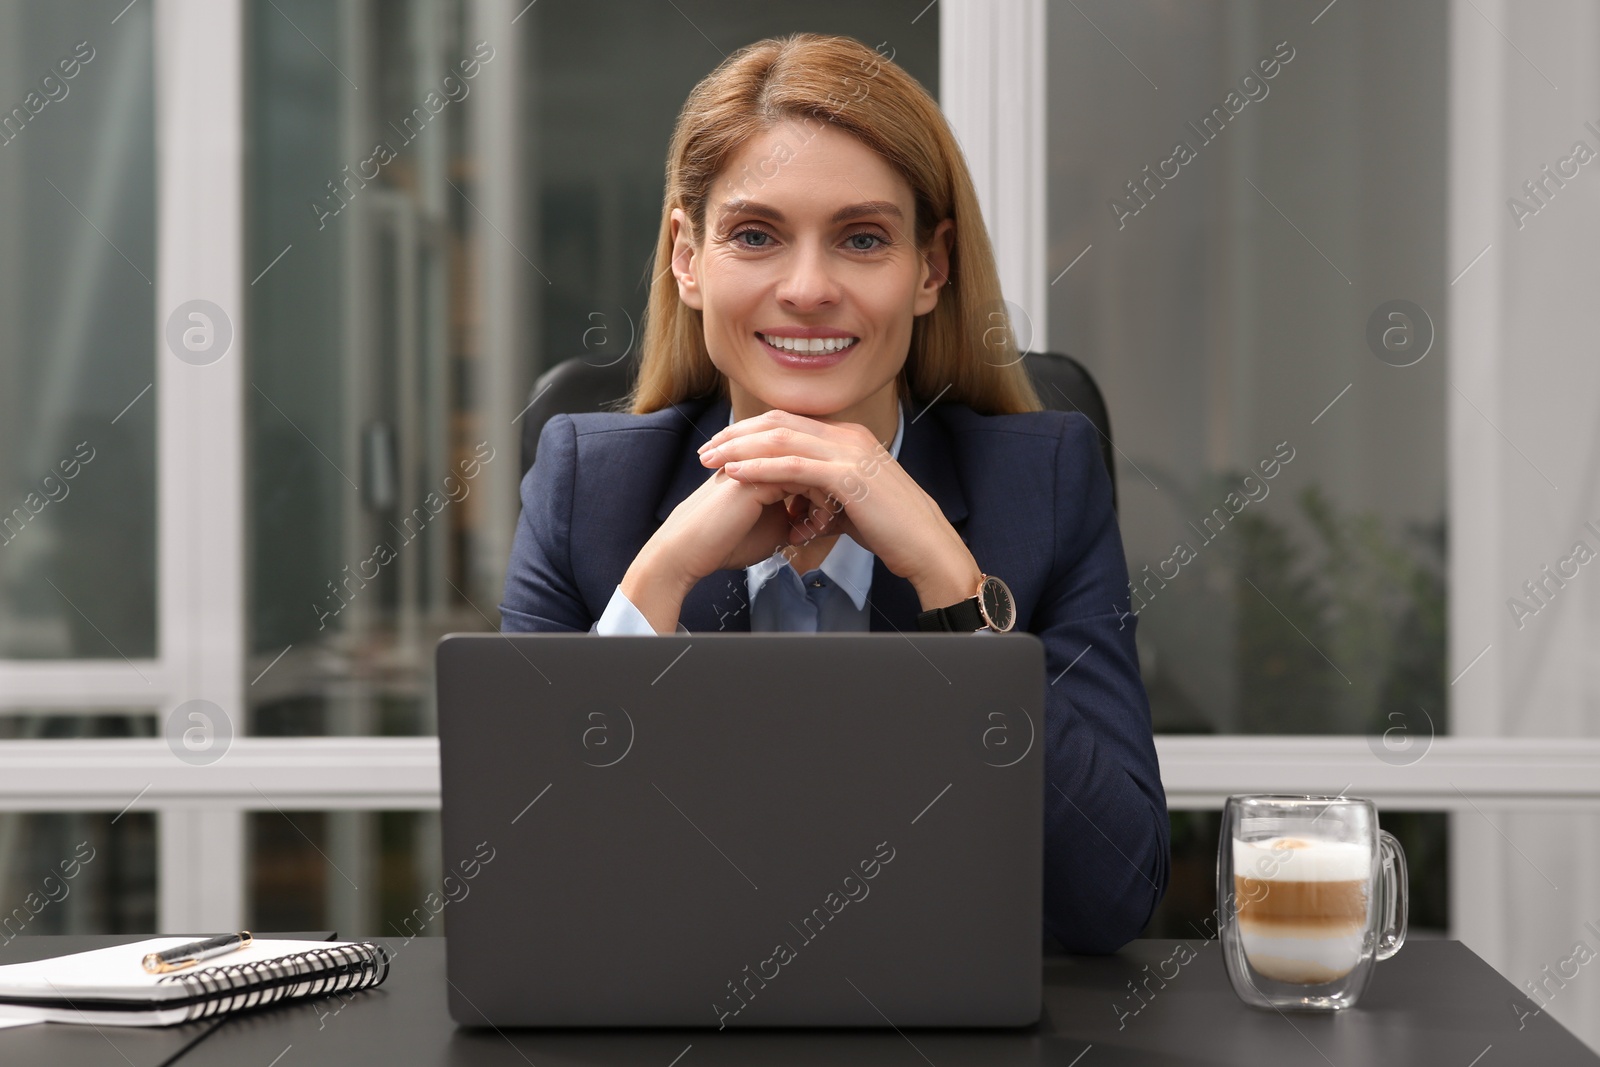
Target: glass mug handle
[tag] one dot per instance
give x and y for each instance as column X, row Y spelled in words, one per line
column 1393, row 900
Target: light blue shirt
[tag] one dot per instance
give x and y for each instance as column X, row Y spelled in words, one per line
column 829, row 598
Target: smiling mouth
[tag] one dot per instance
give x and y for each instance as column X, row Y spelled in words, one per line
column 810, row 346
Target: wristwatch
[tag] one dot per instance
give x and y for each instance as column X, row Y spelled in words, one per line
column 991, row 606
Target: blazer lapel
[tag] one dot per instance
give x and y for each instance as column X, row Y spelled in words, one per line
column 720, row 601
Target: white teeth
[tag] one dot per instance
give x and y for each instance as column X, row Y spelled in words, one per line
column 813, row 344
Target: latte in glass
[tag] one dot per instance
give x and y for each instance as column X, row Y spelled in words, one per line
column 1302, row 906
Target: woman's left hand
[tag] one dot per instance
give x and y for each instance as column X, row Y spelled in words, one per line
column 854, row 487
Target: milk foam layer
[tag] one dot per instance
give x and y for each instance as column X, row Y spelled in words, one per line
column 1303, row 960
column 1302, row 859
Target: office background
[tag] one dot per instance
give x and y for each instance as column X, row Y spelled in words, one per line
column 373, row 319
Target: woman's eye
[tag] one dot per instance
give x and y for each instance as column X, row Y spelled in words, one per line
column 871, row 240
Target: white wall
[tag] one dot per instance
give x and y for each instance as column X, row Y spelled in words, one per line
column 1525, row 467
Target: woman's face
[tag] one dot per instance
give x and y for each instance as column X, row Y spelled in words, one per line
column 809, row 228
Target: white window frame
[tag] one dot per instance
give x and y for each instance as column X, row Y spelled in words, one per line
column 200, row 542
column 993, row 71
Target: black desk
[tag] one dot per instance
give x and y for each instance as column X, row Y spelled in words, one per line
column 1434, row 1003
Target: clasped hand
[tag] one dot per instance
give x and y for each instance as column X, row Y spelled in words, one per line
column 835, row 478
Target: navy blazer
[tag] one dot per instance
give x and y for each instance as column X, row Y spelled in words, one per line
column 1030, row 496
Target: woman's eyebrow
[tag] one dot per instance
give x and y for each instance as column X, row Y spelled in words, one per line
column 740, row 206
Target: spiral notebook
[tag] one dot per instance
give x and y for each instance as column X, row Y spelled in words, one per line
column 110, row 987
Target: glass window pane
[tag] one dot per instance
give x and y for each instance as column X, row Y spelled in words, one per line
column 1242, row 229
column 77, row 329
column 77, row 873
column 26, row 724
column 366, row 365
column 356, row 411
column 362, row 873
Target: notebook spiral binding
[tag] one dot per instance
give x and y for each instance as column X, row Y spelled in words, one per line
column 303, row 974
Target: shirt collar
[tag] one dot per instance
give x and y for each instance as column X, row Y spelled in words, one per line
column 848, row 564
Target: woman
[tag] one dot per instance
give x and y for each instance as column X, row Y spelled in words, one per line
column 829, row 433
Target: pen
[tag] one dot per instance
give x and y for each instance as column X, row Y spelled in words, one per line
column 181, row 956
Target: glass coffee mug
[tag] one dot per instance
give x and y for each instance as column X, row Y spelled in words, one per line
column 1312, row 893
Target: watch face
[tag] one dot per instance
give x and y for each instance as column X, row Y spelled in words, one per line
column 997, row 605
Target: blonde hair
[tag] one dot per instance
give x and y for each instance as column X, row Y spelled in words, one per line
column 965, row 343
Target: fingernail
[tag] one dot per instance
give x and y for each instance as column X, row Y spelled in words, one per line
column 709, row 454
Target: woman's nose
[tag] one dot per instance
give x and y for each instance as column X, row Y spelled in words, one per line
column 809, row 282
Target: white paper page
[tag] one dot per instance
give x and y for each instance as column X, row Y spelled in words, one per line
column 118, row 972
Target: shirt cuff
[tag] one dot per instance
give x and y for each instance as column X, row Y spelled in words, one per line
column 622, row 618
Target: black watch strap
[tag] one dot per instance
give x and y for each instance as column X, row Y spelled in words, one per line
column 958, row 618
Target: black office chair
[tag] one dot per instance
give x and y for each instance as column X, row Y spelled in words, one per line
column 575, row 385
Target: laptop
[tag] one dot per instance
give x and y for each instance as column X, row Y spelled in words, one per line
column 742, row 830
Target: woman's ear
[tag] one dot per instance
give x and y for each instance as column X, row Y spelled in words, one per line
column 683, row 261
column 935, row 267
